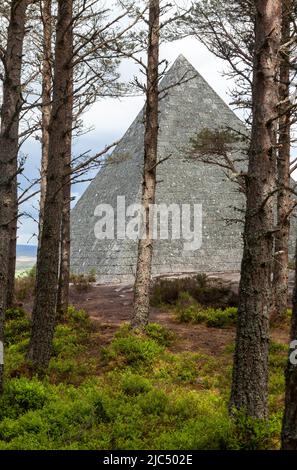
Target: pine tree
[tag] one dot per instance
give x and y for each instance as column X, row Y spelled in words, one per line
column 250, row 372
column 145, row 246
column 9, row 145
column 44, row 309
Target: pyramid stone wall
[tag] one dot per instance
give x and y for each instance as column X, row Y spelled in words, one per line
column 184, row 111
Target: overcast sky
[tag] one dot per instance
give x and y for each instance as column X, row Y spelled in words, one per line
column 110, row 119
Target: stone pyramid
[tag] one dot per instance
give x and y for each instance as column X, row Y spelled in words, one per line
column 185, row 110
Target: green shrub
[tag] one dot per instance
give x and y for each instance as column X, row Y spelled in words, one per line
column 23, row 428
column 186, row 369
column 101, row 410
column 21, row 395
column 160, row 334
column 133, row 384
column 275, row 347
column 92, row 275
column 277, row 382
column 17, row 326
column 82, row 282
column 187, row 308
column 185, row 300
column 9, row 429
column 208, row 427
column 77, row 317
column 168, row 291
column 188, row 315
column 216, row 297
column 70, row 337
column 254, row 434
column 133, row 350
column 216, row 318
column 127, row 413
column 278, row 356
column 15, row 357
column 289, row 314
column 70, row 362
column 207, row 292
column 65, row 342
column 221, row 318
column 16, row 330
column 164, row 292
column 153, row 402
column 202, row 280
column 15, row 313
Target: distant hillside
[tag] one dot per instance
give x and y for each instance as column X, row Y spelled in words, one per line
column 26, row 257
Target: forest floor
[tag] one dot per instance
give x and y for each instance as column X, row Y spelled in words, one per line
column 110, row 388
column 111, row 306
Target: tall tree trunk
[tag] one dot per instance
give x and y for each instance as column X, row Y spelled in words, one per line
column 289, row 428
column 64, row 275
column 280, row 272
column 10, row 115
column 46, row 17
column 10, row 299
column 145, row 246
column 44, row 309
column 250, row 371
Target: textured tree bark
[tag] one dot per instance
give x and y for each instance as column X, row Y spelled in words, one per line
column 44, row 309
column 145, row 245
column 64, row 274
column 10, row 300
column 280, row 271
column 250, row 371
column 289, row 428
column 46, row 16
column 10, row 114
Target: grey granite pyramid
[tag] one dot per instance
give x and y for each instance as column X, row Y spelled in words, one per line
column 185, row 110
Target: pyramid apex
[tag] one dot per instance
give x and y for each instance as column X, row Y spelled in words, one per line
column 181, row 61
column 179, row 70
column 181, row 58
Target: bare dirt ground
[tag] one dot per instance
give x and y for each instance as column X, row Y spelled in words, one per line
column 111, row 306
